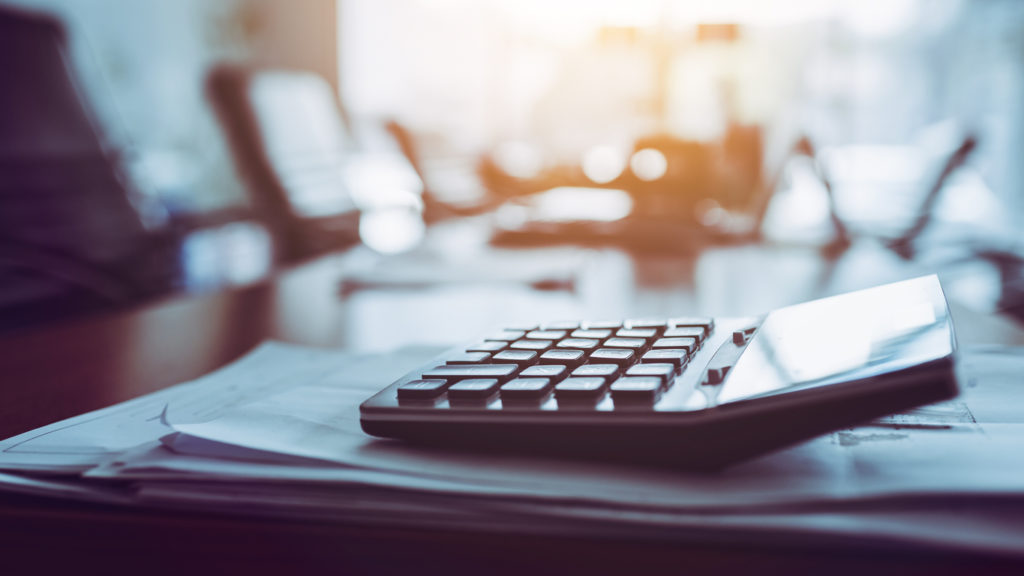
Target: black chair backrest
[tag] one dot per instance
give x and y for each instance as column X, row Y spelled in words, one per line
column 290, row 147
column 70, row 238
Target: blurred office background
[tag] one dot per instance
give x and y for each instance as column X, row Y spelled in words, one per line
column 875, row 98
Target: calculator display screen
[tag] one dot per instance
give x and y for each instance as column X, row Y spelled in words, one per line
column 847, row 337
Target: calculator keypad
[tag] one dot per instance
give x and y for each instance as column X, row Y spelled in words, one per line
column 580, row 364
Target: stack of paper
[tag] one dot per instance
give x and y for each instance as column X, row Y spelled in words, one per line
column 277, row 434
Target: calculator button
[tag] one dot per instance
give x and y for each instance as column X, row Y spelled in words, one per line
column 602, row 325
column 740, row 337
column 469, row 358
column 580, row 389
column 468, row 371
column 570, row 358
column 525, row 389
column 531, row 344
column 688, row 344
column 561, row 325
column 630, row 343
column 724, row 359
column 579, row 343
column 595, row 334
column 636, row 390
column 645, row 323
column 507, row 335
column 716, row 375
column 666, row 373
column 674, row 356
column 553, row 371
column 708, row 324
column 637, row 333
column 597, row 370
column 421, row 389
column 473, row 389
column 620, row 356
column 546, row 334
column 488, row 346
column 520, row 357
column 685, row 332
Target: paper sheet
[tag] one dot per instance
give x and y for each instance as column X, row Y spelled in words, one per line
column 278, row 434
column 79, row 443
column 66, row 488
column 940, row 450
column 995, row 527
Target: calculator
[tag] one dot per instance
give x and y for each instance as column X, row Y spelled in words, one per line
column 697, row 392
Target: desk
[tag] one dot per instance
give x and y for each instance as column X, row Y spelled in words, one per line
column 63, row 370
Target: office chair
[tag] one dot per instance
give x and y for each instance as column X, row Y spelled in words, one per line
column 290, row 148
column 71, row 241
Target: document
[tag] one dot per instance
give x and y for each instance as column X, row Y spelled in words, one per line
column 77, row 444
column 277, row 434
column 942, row 450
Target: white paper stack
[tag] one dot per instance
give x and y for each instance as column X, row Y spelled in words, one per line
column 277, row 434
